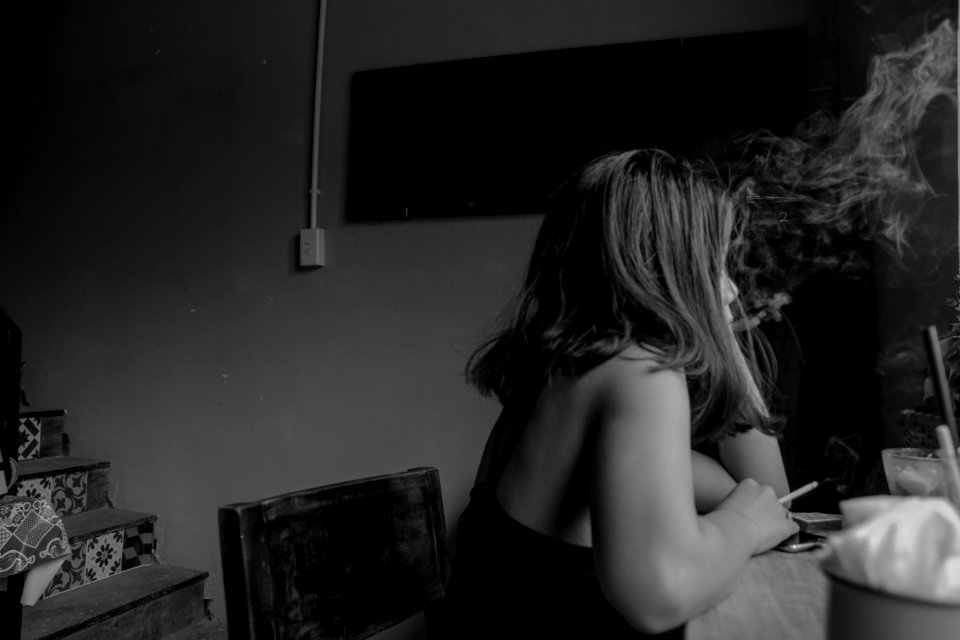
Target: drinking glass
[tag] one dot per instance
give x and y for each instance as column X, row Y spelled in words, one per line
column 913, row 472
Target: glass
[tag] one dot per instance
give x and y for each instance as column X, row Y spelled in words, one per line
column 913, row 472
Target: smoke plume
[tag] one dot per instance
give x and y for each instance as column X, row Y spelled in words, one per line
column 815, row 198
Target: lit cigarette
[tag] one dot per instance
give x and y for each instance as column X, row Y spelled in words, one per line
column 807, row 488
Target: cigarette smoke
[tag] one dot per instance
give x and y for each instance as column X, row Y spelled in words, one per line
column 843, row 189
column 841, row 462
column 817, row 197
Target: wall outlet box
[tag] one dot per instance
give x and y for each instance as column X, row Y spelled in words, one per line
column 312, row 250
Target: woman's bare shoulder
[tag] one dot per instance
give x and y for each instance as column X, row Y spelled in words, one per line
column 636, row 375
column 634, row 361
column 638, row 353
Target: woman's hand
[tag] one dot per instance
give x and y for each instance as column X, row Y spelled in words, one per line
column 758, row 505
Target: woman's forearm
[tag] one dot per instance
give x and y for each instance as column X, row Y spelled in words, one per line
column 755, row 455
column 711, row 482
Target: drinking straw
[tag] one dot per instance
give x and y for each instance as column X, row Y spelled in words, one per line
column 807, row 488
column 940, row 385
column 950, row 464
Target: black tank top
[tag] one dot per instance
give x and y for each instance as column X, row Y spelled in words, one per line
column 509, row 581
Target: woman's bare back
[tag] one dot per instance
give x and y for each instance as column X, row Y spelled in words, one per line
column 539, row 458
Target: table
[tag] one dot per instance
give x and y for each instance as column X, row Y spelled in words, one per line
column 781, row 596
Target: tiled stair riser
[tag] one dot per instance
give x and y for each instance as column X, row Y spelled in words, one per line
column 30, row 429
column 67, row 492
column 40, row 437
column 108, row 545
column 104, row 555
column 70, row 492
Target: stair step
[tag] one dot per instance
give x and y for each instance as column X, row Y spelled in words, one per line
column 58, row 464
column 209, row 630
column 41, row 413
column 103, row 543
column 90, row 523
column 146, row 603
column 41, row 433
column 70, row 484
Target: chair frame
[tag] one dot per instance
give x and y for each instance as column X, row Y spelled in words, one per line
column 340, row 561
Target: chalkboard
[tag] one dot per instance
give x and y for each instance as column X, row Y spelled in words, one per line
column 494, row 136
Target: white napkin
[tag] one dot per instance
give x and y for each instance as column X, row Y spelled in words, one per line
column 900, row 544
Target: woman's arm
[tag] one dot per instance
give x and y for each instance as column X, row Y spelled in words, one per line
column 711, row 482
column 658, row 562
column 755, row 455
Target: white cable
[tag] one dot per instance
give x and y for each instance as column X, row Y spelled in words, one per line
column 318, row 90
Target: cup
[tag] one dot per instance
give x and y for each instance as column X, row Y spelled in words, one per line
column 914, row 472
column 856, row 612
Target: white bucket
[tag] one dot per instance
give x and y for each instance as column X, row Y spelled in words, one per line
column 856, row 612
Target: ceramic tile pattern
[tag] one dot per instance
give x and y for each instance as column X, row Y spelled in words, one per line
column 29, row 446
column 104, row 556
column 97, row 554
column 92, row 559
column 37, row 488
column 70, row 574
column 69, row 492
column 138, row 545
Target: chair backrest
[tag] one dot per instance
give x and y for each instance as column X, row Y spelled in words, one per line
column 339, row 561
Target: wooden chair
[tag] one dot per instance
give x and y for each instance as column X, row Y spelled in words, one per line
column 342, row 561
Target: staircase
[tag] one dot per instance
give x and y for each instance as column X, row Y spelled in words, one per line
column 113, row 586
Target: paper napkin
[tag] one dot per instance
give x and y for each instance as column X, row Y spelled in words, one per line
column 900, row 544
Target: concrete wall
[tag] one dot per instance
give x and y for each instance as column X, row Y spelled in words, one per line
column 159, row 179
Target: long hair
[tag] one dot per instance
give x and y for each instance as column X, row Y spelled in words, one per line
column 632, row 250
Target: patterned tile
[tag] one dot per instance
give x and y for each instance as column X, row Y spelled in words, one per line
column 36, row 488
column 70, row 574
column 69, row 492
column 138, row 546
column 104, row 556
column 29, row 447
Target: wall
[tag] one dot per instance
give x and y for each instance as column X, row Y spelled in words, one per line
column 158, row 178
